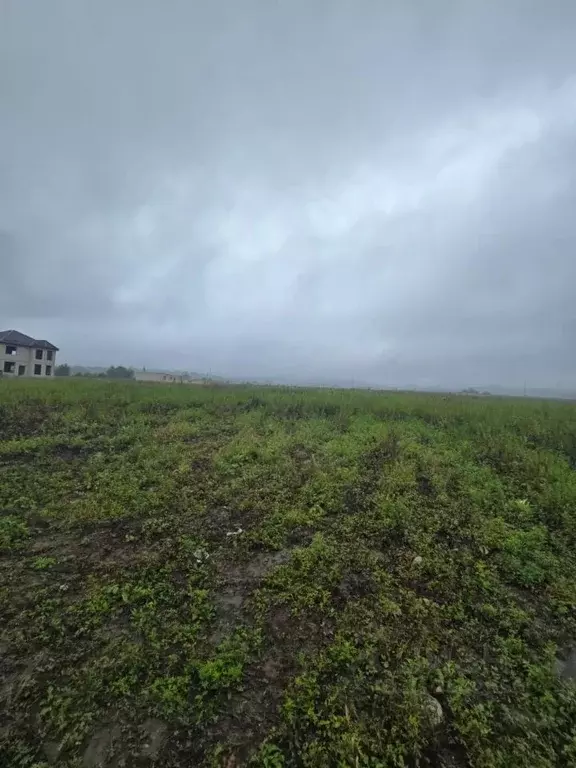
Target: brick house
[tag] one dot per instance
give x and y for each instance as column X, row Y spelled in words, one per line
column 21, row 355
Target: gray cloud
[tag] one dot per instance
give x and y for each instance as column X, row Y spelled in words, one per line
column 383, row 192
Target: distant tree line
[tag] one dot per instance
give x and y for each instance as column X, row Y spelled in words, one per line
column 114, row 372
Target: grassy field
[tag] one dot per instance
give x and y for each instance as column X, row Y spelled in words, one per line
column 273, row 577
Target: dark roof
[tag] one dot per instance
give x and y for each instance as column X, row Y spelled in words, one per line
column 21, row 340
column 15, row 337
column 43, row 344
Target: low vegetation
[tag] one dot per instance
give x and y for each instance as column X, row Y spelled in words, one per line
column 275, row 577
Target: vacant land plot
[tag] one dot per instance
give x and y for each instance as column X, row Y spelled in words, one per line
column 272, row 577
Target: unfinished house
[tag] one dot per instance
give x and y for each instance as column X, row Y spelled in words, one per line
column 21, row 355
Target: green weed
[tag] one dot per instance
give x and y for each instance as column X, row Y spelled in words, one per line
column 281, row 577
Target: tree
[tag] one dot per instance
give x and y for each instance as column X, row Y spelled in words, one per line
column 62, row 370
column 119, row 372
column 89, row 375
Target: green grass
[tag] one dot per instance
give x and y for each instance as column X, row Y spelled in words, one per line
column 275, row 577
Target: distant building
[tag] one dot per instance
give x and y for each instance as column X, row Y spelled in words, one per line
column 21, row 355
column 166, row 378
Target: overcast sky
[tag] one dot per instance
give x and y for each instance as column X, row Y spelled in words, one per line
column 378, row 191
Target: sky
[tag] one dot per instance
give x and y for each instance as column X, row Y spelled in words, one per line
column 349, row 192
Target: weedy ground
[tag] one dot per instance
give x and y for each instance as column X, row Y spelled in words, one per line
column 272, row 577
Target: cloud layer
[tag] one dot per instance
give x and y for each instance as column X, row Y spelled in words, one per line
column 329, row 191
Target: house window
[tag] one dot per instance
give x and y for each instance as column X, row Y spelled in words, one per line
column 10, row 350
column 49, row 355
column 21, row 370
column 48, row 370
column 38, row 354
column 37, row 370
column 9, row 367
